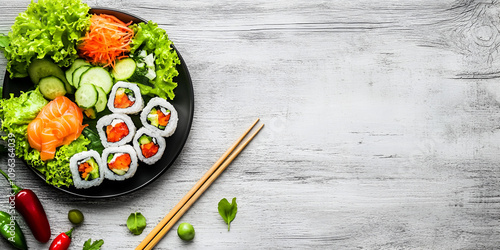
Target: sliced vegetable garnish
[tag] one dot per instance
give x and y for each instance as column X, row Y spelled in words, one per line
column 108, row 40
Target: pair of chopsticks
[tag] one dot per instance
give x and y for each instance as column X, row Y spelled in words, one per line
column 206, row 180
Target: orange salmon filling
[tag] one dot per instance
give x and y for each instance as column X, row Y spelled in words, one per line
column 162, row 118
column 121, row 162
column 84, row 169
column 149, row 149
column 117, row 132
column 122, row 101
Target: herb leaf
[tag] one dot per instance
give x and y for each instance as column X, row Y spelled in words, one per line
column 228, row 210
column 95, row 142
column 136, row 223
column 96, row 245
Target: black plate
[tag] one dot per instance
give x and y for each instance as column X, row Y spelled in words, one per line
column 183, row 102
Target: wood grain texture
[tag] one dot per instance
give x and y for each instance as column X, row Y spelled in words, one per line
column 382, row 126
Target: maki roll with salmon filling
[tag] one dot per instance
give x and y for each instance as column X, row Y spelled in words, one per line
column 160, row 116
column 125, row 98
column 121, row 162
column 148, row 145
column 115, row 130
column 86, row 169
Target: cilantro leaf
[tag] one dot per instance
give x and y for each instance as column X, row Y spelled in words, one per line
column 228, row 210
column 96, row 245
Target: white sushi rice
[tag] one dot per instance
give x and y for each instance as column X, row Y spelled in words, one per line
column 113, row 119
column 135, row 108
column 126, row 149
column 73, row 166
column 156, row 139
column 172, row 123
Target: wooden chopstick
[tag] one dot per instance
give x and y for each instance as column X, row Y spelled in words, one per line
column 206, row 180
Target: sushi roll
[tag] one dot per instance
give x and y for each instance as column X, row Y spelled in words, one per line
column 115, row 130
column 160, row 116
column 120, row 163
column 86, row 169
column 125, row 98
column 148, row 145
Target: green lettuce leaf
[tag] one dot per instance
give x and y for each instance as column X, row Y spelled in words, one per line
column 16, row 113
column 48, row 28
column 153, row 39
column 57, row 170
column 4, row 41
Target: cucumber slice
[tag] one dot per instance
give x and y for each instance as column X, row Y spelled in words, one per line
column 119, row 171
column 76, row 64
column 124, row 69
column 78, row 73
column 102, row 99
column 86, row 96
column 153, row 120
column 94, row 174
column 144, row 139
column 69, row 88
column 110, row 158
column 40, row 68
column 99, row 77
column 51, row 87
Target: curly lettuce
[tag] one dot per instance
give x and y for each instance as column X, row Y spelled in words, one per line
column 153, row 39
column 48, row 28
column 4, row 41
column 16, row 113
column 57, row 171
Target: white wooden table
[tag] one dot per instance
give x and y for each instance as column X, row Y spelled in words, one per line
column 382, row 127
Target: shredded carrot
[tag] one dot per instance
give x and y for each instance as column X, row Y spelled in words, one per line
column 107, row 40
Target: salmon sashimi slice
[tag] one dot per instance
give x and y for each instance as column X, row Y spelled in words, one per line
column 58, row 123
column 71, row 137
column 55, row 108
column 35, row 140
column 49, row 144
column 61, row 126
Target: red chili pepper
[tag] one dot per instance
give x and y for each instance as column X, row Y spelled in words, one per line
column 62, row 241
column 30, row 207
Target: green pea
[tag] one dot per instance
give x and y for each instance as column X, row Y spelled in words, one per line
column 185, row 231
column 75, row 216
